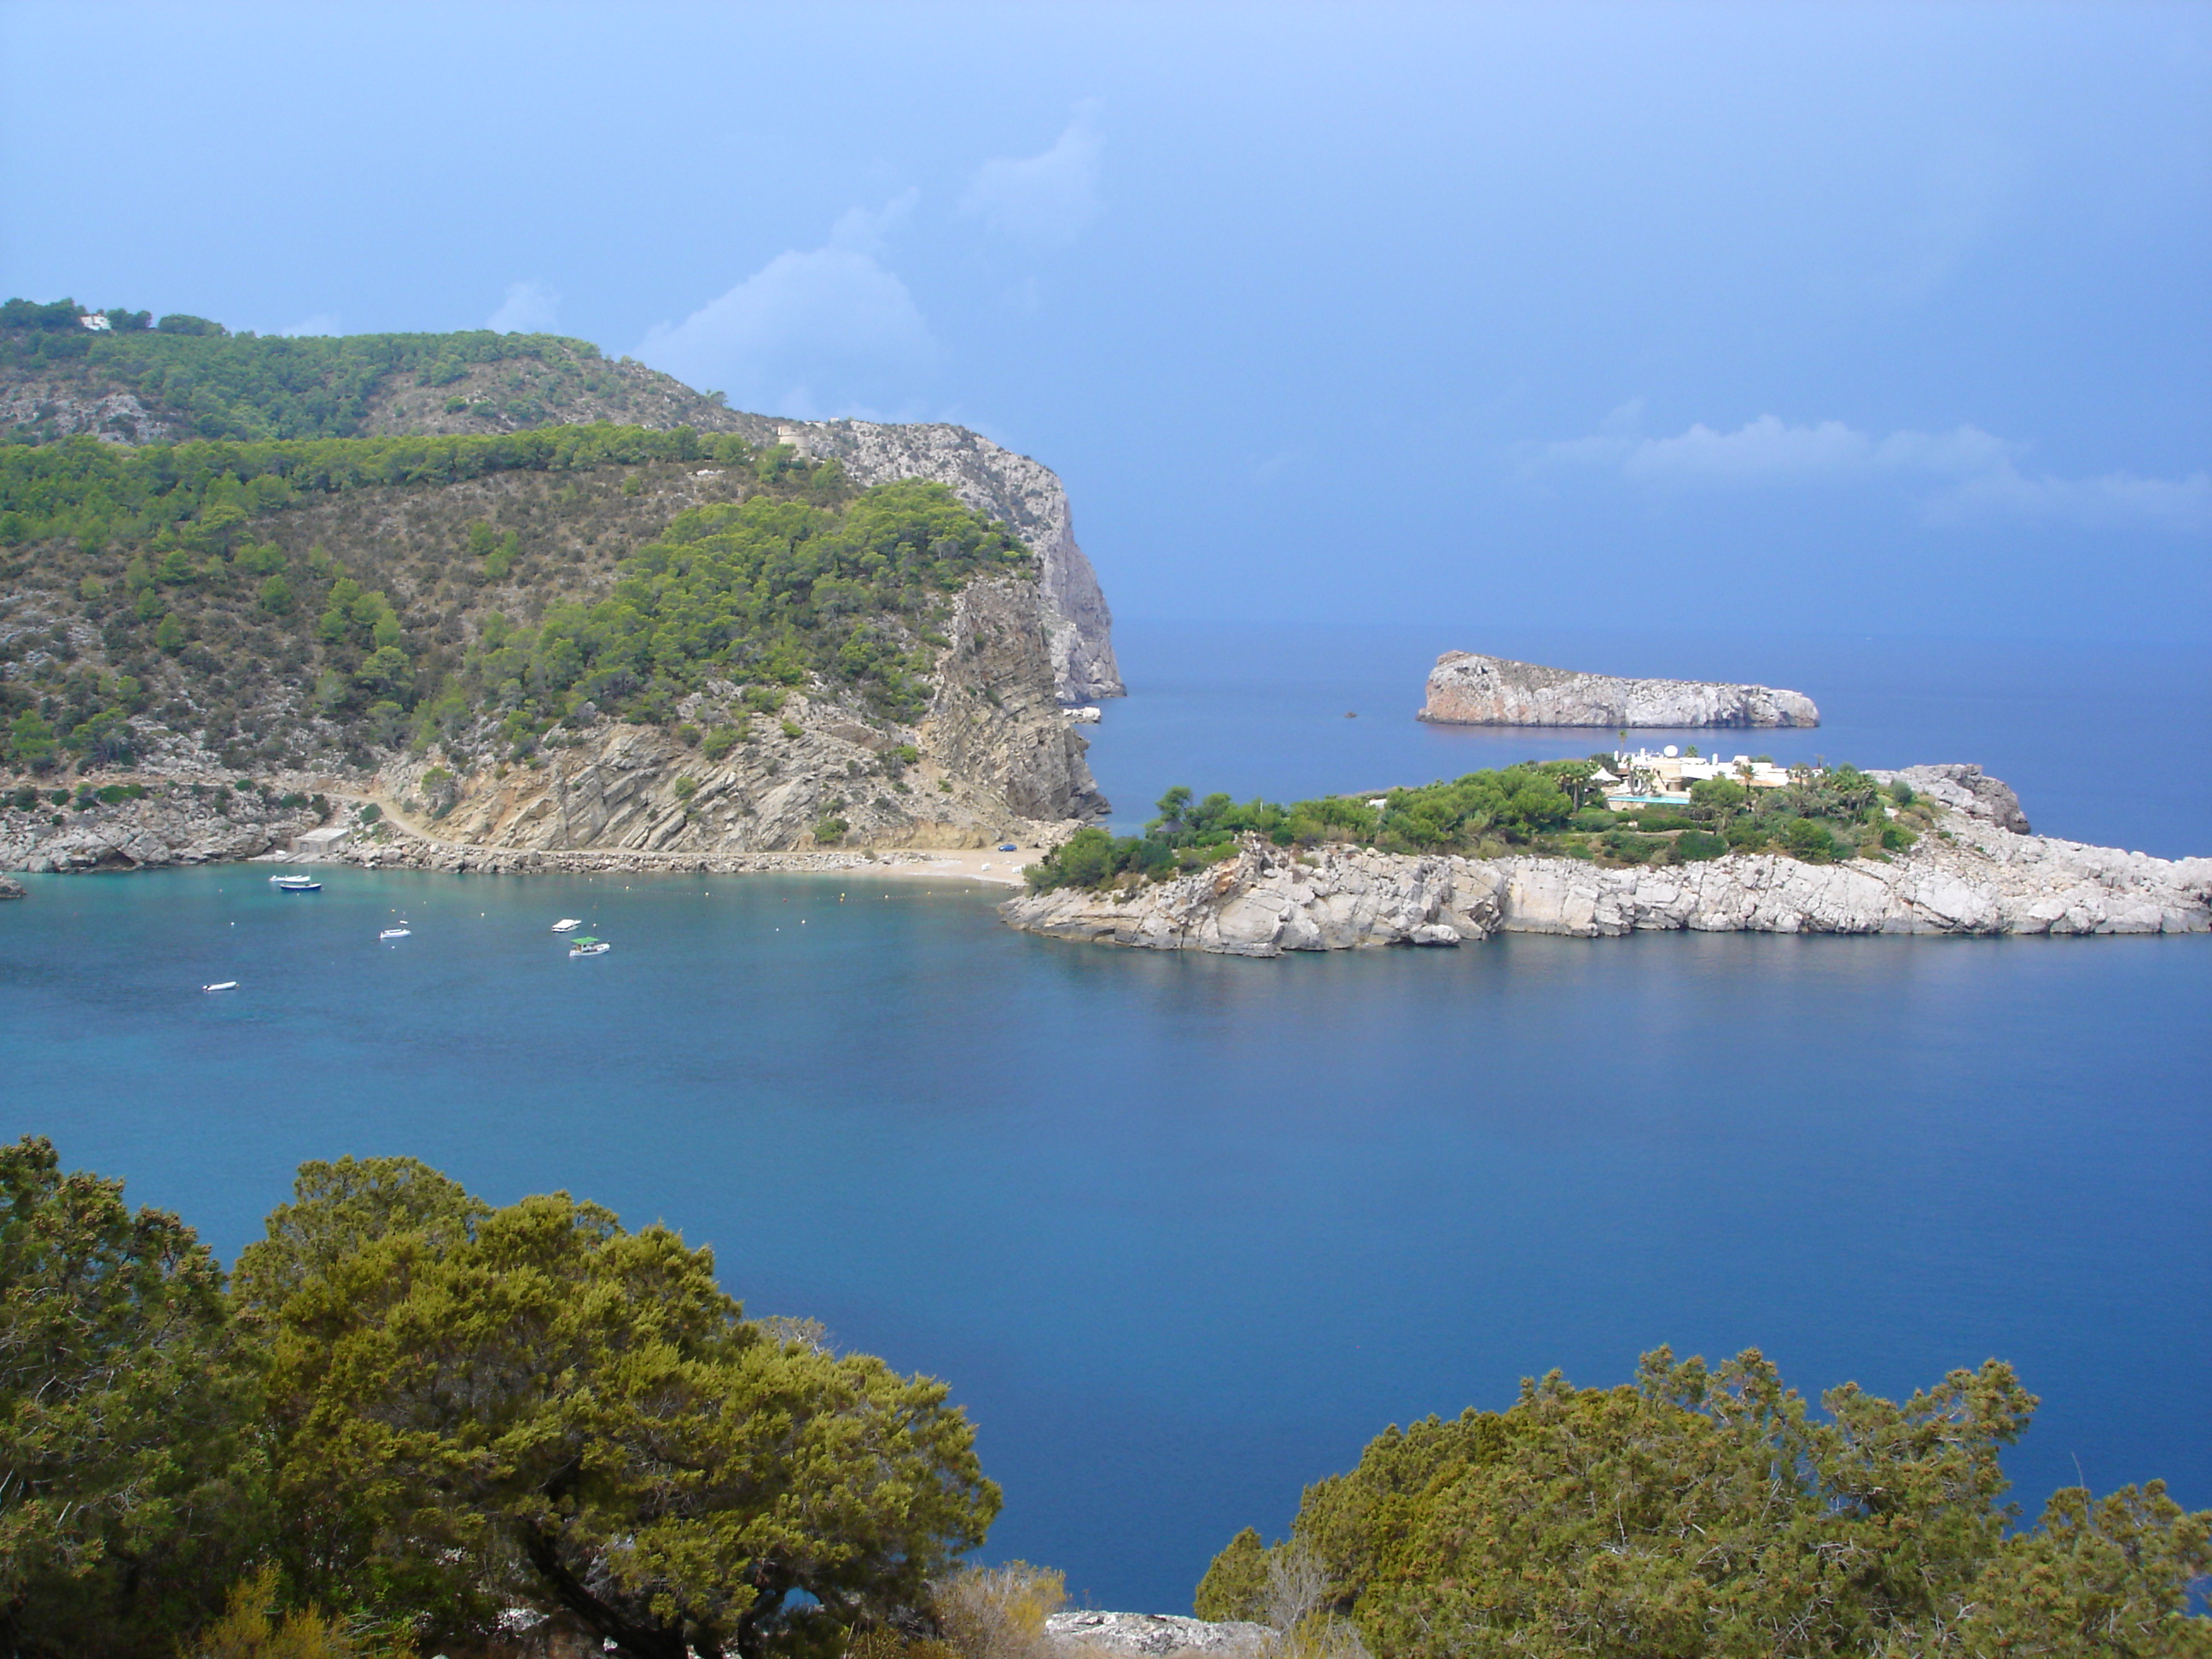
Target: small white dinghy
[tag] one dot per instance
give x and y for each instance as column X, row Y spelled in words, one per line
column 403, row 930
column 221, row 985
column 567, row 924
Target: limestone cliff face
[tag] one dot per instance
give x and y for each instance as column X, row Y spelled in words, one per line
column 1976, row 877
column 1466, row 688
column 1004, row 485
column 995, row 758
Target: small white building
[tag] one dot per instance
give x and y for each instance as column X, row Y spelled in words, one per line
column 316, row 844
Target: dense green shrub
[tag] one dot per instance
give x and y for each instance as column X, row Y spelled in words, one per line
column 1709, row 1513
column 664, row 1466
column 1693, row 846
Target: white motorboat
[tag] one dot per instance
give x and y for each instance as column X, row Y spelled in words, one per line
column 588, row 946
column 567, row 924
column 401, row 932
column 221, row 985
column 296, row 884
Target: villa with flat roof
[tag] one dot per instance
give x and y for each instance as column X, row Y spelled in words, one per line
column 1644, row 779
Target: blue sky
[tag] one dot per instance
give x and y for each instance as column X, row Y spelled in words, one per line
column 1854, row 319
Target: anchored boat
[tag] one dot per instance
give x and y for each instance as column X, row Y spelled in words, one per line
column 401, row 932
column 588, row 946
column 296, row 884
column 567, row 924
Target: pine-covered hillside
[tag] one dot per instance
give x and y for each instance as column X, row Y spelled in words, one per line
column 780, row 657
column 139, row 380
column 127, row 379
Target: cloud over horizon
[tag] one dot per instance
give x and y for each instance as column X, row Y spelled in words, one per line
column 1965, row 476
column 530, row 307
column 1044, row 201
column 811, row 331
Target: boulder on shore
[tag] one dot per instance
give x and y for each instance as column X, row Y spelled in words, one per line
column 1466, row 688
column 1152, row 1635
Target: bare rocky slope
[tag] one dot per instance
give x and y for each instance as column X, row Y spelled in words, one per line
column 1976, row 875
column 1466, row 688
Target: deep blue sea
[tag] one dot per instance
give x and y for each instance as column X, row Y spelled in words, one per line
column 1185, row 1233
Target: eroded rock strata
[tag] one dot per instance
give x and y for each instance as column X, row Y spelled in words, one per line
column 994, row 757
column 1466, row 688
column 1973, row 877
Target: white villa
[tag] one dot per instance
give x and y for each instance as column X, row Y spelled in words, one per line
column 1644, row 779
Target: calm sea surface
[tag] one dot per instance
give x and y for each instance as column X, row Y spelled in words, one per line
column 1185, row 1233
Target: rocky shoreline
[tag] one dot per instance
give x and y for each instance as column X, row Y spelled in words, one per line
column 170, row 822
column 1974, row 875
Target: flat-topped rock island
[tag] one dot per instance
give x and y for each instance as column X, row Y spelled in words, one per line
column 1467, row 688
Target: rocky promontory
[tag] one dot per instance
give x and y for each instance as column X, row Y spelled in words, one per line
column 1466, row 688
column 1972, row 876
column 1021, row 492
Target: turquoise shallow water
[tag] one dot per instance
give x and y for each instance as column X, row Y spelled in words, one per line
column 1184, row 1234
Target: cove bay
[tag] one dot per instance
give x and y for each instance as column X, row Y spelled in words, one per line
column 1185, row 1232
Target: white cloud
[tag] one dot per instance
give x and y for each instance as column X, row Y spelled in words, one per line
column 1044, row 201
column 323, row 322
column 529, row 308
column 810, row 330
column 1959, row 477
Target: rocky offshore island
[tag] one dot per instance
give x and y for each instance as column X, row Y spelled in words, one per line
column 1973, row 873
column 1466, row 688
